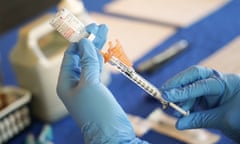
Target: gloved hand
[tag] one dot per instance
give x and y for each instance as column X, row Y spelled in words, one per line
column 217, row 94
column 88, row 101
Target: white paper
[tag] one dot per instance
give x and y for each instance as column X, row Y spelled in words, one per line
column 179, row 12
column 227, row 59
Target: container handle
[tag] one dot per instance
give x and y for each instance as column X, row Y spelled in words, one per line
column 34, row 35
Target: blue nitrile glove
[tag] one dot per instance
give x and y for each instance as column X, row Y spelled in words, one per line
column 217, row 94
column 88, row 101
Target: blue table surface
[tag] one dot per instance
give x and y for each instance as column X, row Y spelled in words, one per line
column 206, row 36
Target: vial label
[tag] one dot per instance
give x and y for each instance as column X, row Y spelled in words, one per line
column 69, row 25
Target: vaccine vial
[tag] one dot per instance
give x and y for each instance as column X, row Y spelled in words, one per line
column 73, row 29
column 70, row 26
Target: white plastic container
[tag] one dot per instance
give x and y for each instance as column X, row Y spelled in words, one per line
column 36, row 60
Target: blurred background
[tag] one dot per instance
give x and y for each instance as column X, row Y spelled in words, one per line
column 31, row 52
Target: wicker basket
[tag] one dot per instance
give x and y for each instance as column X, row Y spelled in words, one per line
column 14, row 116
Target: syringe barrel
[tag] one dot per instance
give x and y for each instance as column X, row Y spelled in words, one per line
column 144, row 84
column 139, row 80
column 148, row 87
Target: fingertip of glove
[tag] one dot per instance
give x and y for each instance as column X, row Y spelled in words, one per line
column 103, row 27
column 181, row 125
column 92, row 28
column 165, row 95
column 173, row 95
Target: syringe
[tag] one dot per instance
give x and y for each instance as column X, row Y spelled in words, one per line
column 73, row 30
column 116, row 56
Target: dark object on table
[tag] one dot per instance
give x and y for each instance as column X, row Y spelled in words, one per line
column 157, row 61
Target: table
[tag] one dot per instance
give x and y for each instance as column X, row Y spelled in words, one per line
column 205, row 36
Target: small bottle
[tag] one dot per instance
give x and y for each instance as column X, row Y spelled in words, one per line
column 73, row 30
column 69, row 25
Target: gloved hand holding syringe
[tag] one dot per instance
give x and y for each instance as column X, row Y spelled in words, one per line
column 73, row 30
